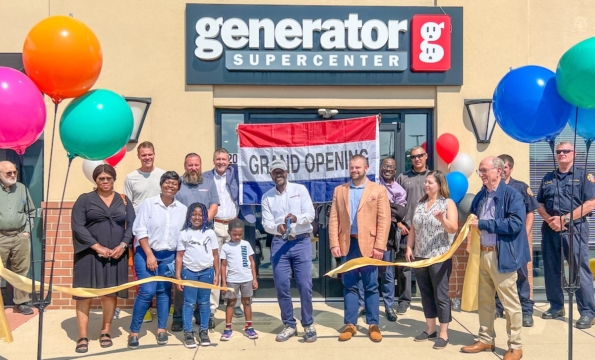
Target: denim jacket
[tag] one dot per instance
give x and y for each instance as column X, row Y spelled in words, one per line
column 232, row 184
column 509, row 225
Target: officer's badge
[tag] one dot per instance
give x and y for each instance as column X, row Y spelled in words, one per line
column 591, row 178
column 529, row 192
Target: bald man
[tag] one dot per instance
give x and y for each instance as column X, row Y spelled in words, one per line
column 16, row 221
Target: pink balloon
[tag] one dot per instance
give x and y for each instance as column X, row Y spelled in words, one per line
column 22, row 111
column 117, row 157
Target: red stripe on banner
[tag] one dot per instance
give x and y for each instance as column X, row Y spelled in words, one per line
column 307, row 133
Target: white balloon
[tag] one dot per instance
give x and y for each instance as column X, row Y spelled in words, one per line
column 465, row 205
column 463, row 163
column 89, row 166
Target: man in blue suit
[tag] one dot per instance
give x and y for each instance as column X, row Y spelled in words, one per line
column 501, row 217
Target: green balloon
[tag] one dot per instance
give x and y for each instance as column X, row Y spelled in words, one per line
column 96, row 125
column 575, row 75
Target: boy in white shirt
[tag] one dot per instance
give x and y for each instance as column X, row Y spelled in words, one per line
column 239, row 273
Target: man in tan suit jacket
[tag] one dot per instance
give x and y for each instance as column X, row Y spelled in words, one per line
column 358, row 226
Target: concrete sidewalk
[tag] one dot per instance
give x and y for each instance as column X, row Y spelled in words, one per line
column 546, row 340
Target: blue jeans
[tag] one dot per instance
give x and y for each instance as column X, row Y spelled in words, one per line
column 147, row 291
column 297, row 255
column 387, row 282
column 369, row 279
column 200, row 297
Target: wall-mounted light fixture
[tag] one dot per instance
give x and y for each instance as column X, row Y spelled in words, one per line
column 481, row 114
column 139, row 107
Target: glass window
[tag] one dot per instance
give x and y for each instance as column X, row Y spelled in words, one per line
column 229, row 137
column 416, row 130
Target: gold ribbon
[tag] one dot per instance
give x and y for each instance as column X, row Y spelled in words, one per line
column 364, row 261
column 470, row 284
column 25, row 284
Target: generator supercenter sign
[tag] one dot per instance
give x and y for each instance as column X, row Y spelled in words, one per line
column 323, row 45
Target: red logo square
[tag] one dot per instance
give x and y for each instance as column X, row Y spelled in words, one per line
column 430, row 43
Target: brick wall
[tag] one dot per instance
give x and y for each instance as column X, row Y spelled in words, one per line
column 65, row 253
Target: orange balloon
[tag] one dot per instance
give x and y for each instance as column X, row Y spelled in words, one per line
column 63, row 57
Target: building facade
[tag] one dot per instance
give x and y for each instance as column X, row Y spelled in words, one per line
column 208, row 67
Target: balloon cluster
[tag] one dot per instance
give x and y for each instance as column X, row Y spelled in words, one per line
column 62, row 58
column 461, row 165
column 534, row 104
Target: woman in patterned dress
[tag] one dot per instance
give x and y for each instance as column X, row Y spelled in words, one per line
column 435, row 218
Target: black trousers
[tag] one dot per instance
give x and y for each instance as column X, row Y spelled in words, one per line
column 403, row 277
column 433, row 286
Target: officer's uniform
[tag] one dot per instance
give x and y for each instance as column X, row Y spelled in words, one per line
column 522, row 283
column 555, row 193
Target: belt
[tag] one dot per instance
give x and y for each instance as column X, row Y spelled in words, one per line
column 353, row 236
column 224, row 221
column 293, row 238
column 488, row 248
column 11, row 232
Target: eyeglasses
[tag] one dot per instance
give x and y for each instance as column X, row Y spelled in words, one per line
column 11, row 173
column 564, row 151
column 105, row 178
column 483, row 171
column 388, row 167
column 419, row 156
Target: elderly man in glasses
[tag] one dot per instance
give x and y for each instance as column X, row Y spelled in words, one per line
column 565, row 195
column 16, row 221
column 501, row 217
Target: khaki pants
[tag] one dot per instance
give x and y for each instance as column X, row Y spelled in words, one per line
column 490, row 282
column 222, row 238
column 17, row 248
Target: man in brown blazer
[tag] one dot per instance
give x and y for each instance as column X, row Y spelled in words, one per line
column 358, row 226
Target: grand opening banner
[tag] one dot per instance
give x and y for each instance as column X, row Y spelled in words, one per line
column 316, row 153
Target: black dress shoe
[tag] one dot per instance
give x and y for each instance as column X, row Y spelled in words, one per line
column 527, row 321
column 22, row 309
column 553, row 314
column 584, row 322
column 402, row 308
column 177, row 326
column 391, row 315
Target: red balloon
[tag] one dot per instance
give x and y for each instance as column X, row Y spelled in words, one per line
column 117, row 157
column 447, row 147
column 424, row 146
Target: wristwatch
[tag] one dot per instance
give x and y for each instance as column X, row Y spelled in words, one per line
column 566, row 219
column 124, row 246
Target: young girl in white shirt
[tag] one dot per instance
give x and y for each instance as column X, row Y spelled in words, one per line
column 198, row 260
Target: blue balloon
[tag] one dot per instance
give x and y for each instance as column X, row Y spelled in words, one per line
column 585, row 124
column 457, row 185
column 527, row 105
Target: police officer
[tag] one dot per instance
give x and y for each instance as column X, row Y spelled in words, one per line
column 531, row 205
column 562, row 192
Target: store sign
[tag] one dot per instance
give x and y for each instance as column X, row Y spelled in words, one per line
column 268, row 44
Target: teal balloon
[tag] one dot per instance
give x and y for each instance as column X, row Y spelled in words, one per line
column 575, row 74
column 96, row 125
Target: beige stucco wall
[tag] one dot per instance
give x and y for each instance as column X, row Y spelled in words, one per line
column 143, row 47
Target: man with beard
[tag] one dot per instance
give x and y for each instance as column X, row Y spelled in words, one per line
column 413, row 183
column 358, row 227
column 194, row 189
column 287, row 214
column 143, row 183
column 16, row 221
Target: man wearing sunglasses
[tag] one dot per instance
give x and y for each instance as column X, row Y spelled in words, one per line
column 16, row 221
column 561, row 195
column 413, row 183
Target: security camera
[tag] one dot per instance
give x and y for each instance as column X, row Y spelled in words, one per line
column 327, row 113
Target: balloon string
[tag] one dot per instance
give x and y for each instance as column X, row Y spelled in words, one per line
column 49, row 296
column 572, row 279
column 47, row 197
column 27, row 210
